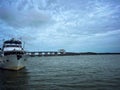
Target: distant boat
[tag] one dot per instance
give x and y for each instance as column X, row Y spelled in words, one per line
column 12, row 56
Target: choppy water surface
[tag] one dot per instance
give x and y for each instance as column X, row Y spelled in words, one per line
column 87, row 72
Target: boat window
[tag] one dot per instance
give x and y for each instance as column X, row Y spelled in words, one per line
column 7, row 60
column 13, row 53
column 12, row 46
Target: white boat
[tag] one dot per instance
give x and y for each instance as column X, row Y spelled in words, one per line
column 12, row 56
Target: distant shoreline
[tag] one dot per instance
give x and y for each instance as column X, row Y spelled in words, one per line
column 91, row 53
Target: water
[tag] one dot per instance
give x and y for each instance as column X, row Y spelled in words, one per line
column 86, row 72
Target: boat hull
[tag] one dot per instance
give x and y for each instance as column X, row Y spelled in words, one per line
column 13, row 62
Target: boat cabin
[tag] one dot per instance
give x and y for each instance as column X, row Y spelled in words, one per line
column 12, row 47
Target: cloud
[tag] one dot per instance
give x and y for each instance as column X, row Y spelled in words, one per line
column 108, row 34
column 24, row 17
column 51, row 24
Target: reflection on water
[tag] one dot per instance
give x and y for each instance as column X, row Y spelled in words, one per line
column 13, row 79
column 92, row 72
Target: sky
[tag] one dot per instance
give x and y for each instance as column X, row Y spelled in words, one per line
column 73, row 25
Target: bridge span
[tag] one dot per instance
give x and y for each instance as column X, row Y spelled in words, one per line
column 45, row 53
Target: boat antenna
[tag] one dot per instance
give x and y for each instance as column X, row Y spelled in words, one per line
column 23, row 42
